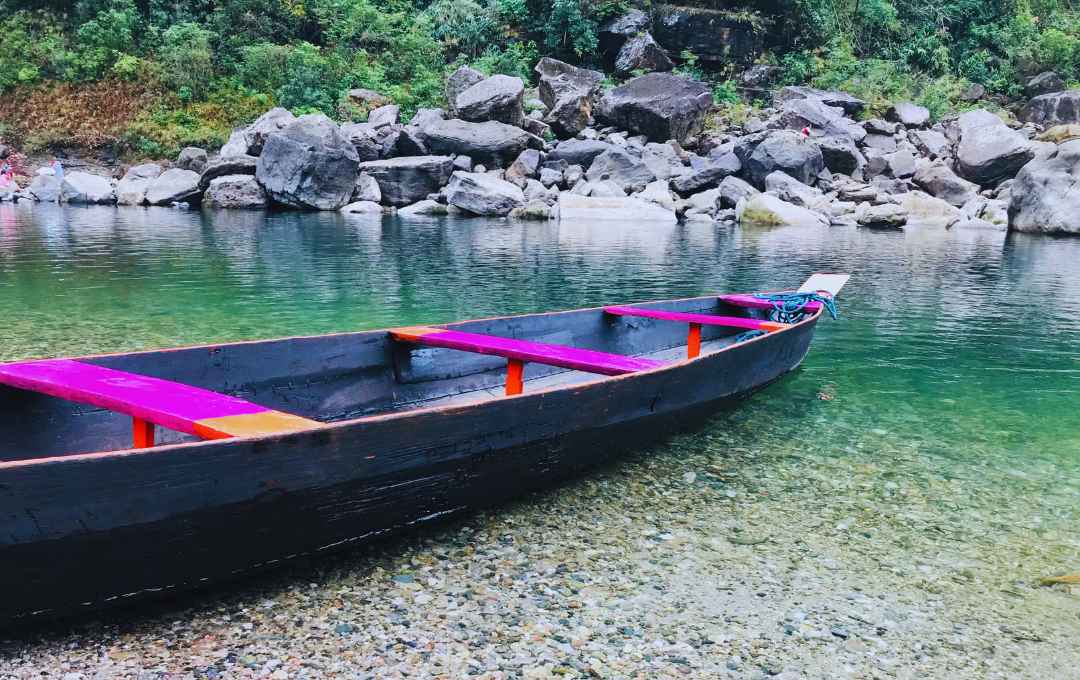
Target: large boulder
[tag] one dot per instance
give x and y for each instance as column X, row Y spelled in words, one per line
column 383, row 116
column 851, row 105
column 642, row 53
column 823, row 119
column 579, row 151
column 660, row 106
column 173, row 186
column 365, row 139
column 663, row 160
column 310, row 164
column 989, row 150
column 620, row 210
column 924, row 209
column 131, row 190
column 483, row 194
column 367, row 189
column 220, row 167
column 841, row 154
column 614, row 32
column 789, row 152
column 1044, row 83
column 1046, row 194
column 273, row 121
column 192, row 158
column 403, row 141
column 938, row 180
column 45, row 188
column 1057, row 108
column 765, row 210
column 715, row 36
column 404, row 181
column 909, row 115
column 733, row 190
column 625, row 170
column 82, row 187
column 236, row 145
column 499, row 98
column 707, row 176
column 234, row 191
column 884, row 216
column 459, row 81
column 491, row 143
column 559, row 79
column 788, row 189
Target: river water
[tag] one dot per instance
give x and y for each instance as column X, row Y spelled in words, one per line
column 930, row 444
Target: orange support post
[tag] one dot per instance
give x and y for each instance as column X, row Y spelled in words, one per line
column 515, row 377
column 693, row 341
column 143, row 433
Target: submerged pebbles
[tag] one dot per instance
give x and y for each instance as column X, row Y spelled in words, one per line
column 716, row 555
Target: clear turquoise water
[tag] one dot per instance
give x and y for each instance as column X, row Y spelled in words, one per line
column 927, row 452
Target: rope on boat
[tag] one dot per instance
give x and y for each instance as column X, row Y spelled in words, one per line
column 790, row 307
column 748, row 335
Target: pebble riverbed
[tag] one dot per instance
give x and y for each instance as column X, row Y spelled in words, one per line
column 718, row 554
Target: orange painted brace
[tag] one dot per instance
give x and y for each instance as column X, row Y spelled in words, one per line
column 142, row 433
column 693, row 341
column 515, row 377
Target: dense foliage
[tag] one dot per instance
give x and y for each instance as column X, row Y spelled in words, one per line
column 212, row 64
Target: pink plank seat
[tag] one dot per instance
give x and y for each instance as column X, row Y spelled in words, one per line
column 696, row 321
column 751, row 302
column 519, row 352
column 151, row 401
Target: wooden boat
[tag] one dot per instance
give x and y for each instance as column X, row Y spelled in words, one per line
column 249, row 453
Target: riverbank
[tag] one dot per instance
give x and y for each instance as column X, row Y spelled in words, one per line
column 908, row 486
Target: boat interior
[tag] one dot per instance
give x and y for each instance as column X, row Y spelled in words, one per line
column 118, row 402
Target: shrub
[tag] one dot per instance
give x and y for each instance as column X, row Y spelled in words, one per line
column 33, row 49
column 101, row 40
column 187, row 61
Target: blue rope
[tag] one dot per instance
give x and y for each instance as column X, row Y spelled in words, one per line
column 748, row 335
column 790, row 307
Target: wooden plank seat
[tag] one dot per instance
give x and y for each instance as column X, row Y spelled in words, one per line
column 151, row 401
column 696, row 321
column 519, row 352
column 752, row 302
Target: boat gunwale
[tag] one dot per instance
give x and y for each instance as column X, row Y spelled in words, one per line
column 451, row 409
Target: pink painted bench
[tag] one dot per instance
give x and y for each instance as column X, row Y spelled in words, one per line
column 696, row 321
column 519, row 352
column 150, row 401
column 752, row 302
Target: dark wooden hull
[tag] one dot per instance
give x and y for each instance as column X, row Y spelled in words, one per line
column 86, row 530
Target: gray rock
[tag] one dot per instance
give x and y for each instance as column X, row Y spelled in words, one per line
column 533, row 210
column 924, row 209
column 658, row 192
column 404, row 141
column 641, row 52
column 235, row 191
column 525, row 166
column 45, row 188
column 425, row 208
column 822, row 119
column 192, row 158
column 1057, row 108
column 570, row 115
column 901, row 164
column 787, row 151
column 717, row 37
column 550, row 177
column 629, row 210
column 173, row 186
column 424, row 117
column 614, row 33
column 851, row 105
column 760, row 76
column 82, row 187
column 791, row 190
column 131, row 190
column 362, row 208
column 733, row 190
column 483, row 194
column 765, row 210
column 573, row 174
column 606, row 189
column 878, row 142
column 579, row 151
column 663, row 160
column 708, row 176
column 220, row 167
column 383, row 116
column 404, row 181
column 989, row 151
column 930, row 143
column 703, row 202
column 365, row 139
column 535, row 191
column 309, row 164
column 881, row 127
column 1046, row 195
column 462, row 162
column 628, row 172
column 489, row 143
column 909, row 115
column 559, row 79
column 271, row 122
column 660, row 106
column 841, row 154
column 1047, row 82
column 367, row 189
column 237, row 145
column 535, row 126
column 884, row 216
column 499, row 98
column 459, row 81
column 992, row 211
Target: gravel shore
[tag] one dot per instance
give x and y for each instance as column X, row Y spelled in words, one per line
column 724, row 553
